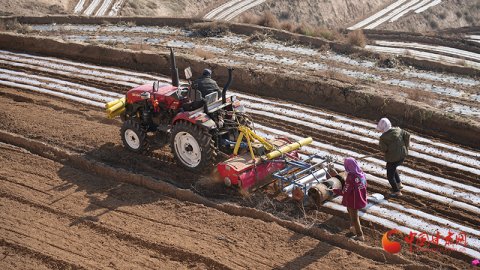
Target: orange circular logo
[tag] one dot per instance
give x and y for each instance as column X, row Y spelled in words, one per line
column 391, row 246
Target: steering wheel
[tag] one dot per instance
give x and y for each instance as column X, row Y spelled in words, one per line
column 182, row 90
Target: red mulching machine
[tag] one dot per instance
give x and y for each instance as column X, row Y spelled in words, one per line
column 278, row 160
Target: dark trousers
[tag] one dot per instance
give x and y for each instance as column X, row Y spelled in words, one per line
column 392, row 174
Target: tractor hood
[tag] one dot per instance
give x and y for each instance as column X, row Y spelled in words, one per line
column 164, row 89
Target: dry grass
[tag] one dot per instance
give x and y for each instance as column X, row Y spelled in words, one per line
column 386, row 61
column 337, row 76
column 326, row 33
column 357, row 38
column 127, row 23
column 421, row 96
column 288, row 26
column 250, row 18
column 257, row 36
column 269, row 20
column 212, row 29
column 19, row 28
column 203, row 54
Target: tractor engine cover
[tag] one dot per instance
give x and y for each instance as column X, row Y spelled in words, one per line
column 246, row 173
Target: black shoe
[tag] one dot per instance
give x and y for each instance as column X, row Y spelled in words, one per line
column 360, row 238
column 396, row 194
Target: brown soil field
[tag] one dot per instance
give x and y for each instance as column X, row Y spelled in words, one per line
column 72, row 197
column 84, row 201
column 57, row 215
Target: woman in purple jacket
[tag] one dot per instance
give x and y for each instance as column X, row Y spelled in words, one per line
column 354, row 195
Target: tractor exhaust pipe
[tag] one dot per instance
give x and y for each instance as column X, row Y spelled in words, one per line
column 225, row 88
column 174, row 69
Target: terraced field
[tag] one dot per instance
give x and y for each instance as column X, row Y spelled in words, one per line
column 59, row 102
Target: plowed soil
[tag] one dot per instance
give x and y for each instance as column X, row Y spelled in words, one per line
column 57, row 216
column 70, row 217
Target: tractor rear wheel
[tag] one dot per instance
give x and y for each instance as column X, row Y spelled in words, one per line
column 192, row 147
column 134, row 137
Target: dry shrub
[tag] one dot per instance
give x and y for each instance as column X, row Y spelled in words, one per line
column 308, row 30
column 24, row 29
column 386, row 61
column 304, row 29
column 210, row 29
column 203, row 54
column 357, row 38
column 327, row 34
column 140, row 47
column 269, row 20
column 325, row 47
column 288, row 26
column 250, row 18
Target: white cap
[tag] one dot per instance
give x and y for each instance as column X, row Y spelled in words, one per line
column 384, row 125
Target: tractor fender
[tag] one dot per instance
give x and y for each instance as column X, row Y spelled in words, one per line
column 197, row 118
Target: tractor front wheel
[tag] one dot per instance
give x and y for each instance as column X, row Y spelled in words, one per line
column 134, row 137
column 192, row 147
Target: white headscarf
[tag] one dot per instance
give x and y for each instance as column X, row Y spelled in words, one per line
column 384, row 125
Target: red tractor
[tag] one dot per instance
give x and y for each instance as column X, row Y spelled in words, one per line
column 197, row 128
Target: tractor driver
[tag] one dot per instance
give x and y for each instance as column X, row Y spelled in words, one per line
column 206, row 85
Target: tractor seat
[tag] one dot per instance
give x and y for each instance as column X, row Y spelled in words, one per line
column 194, row 95
column 212, row 97
column 195, row 98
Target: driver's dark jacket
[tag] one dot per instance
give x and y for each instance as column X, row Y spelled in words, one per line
column 206, row 85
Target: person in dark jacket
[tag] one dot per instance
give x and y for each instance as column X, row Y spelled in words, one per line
column 394, row 143
column 206, row 85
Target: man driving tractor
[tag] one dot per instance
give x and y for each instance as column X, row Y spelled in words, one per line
column 206, row 85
